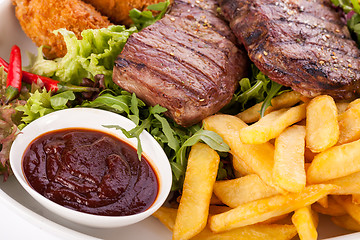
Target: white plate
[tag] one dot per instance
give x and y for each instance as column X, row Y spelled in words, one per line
column 22, row 217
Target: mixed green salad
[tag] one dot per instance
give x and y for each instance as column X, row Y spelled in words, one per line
column 89, row 62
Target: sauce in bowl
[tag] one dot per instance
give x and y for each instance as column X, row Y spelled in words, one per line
column 90, row 171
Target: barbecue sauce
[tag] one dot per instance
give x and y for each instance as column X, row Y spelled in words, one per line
column 90, row 171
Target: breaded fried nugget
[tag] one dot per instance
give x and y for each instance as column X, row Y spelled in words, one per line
column 38, row 18
column 118, row 10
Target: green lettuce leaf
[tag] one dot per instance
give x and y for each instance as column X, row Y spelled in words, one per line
column 41, row 103
column 94, row 54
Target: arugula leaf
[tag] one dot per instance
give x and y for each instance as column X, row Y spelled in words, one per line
column 134, row 109
column 169, row 132
column 174, row 139
column 107, row 101
column 134, row 133
column 145, row 18
column 210, row 138
column 254, row 90
column 274, row 90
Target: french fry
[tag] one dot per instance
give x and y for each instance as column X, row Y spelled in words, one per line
column 322, row 128
column 289, row 169
column 257, row 157
column 276, row 219
column 263, row 209
column 349, row 123
column 242, row 190
column 324, row 202
column 356, row 198
column 240, row 166
column 284, row 100
column 335, row 162
column 166, row 216
column 352, row 209
column 347, row 222
column 197, row 191
column 332, row 209
column 350, row 184
column 253, row 232
column 305, row 220
column 271, row 125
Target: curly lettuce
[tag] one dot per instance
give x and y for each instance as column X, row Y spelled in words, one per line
column 94, row 54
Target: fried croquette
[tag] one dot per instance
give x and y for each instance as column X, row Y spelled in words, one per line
column 38, row 18
column 118, row 10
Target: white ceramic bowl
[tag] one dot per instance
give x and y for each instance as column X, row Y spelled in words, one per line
column 90, row 118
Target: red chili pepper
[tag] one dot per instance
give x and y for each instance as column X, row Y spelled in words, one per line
column 49, row 84
column 13, row 84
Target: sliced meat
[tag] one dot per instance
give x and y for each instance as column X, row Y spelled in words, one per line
column 301, row 44
column 190, row 67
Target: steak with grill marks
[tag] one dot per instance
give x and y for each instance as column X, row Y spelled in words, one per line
column 188, row 62
column 298, row 43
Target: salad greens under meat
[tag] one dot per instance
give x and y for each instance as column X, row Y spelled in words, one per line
column 89, row 62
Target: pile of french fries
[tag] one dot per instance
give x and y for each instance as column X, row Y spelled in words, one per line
column 302, row 158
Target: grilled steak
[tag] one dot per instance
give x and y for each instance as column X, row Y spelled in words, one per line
column 187, row 62
column 301, row 44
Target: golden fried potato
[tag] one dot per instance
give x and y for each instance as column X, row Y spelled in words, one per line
column 347, row 222
column 199, row 180
column 322, row 128
column 349, row 123
column 263, row 209
column 38, row 18
column 241, row 169
column 238, row 191
column 253, row 232
column 324, row 202
column 332, row 209
column 350, row 184
column 284, row 100
column 258, row 158
column 271, row 125
column 166, row 216
column 356, row 198
column 351, row 208
column 305, row 220
column 118, row 10
column 289, row 160
column 336, row 162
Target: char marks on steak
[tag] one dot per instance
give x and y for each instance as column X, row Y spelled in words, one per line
column 188, row 62
column 301, row 44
